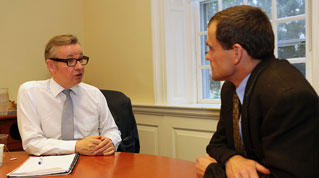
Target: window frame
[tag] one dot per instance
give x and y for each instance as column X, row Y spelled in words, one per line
column 176, row 84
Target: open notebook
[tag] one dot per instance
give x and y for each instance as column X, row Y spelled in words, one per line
column 45, row 165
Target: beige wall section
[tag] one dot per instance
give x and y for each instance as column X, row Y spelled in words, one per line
column 115, row 34
column 118, row 41
column 25, row 28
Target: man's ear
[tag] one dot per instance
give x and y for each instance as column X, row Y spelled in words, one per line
column 237, row 52
column 51, row 66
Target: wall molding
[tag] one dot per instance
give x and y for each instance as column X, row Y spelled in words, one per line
column 159, row 51
column 200, row 112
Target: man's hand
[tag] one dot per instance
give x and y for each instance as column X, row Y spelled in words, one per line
column 87, row 146
column 238, row 166
column 106, row 147
column 202, row 164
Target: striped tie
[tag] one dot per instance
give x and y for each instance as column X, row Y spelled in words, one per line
column 236, row 112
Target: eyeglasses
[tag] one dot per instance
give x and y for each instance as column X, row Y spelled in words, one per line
column 72, row 61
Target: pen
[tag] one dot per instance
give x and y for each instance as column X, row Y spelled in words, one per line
column 40, row 160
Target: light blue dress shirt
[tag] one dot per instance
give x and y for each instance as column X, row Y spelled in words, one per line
column 240, row 93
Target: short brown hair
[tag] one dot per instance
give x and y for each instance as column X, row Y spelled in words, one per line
column 248, row 26
column 59, row 41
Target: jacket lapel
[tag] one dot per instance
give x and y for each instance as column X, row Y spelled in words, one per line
column 247, row 96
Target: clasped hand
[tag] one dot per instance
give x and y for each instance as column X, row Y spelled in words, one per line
column 202, row 163
column 95, row 145
column 237, row 166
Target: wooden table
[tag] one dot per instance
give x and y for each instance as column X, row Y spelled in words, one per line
column 8, row 125
column 119, row 165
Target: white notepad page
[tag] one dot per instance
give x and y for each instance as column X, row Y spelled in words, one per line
column 44, row 165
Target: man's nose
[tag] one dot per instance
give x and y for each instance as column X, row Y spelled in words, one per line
column 207, row 57
column 78, row 65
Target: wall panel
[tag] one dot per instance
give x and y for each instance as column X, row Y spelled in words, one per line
column 175, row 131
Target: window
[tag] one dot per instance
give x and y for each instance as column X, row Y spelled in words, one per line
column 289, row 24
column 183, row 76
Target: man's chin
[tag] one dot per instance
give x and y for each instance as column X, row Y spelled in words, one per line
column 77, row 81
column 214, row 78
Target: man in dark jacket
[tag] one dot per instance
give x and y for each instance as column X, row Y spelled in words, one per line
column 269, row 114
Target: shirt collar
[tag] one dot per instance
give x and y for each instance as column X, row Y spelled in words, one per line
column 57, row 89
column 241, row 89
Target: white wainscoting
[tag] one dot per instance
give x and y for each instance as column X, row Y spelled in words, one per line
column 177, row 132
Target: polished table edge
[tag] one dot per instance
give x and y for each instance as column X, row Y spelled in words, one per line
column 9, row 116
column 120, row 164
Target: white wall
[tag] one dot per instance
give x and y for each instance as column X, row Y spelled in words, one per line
column 176, row 132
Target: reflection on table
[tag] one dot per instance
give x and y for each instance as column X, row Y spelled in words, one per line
column 119, row 165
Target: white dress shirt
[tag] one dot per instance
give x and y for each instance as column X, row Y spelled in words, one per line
column 40, row 105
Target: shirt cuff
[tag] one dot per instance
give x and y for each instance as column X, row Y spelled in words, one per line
column 70, row 146
column 116, row 142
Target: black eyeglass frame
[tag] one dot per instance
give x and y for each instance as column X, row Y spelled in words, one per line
column 69, row 61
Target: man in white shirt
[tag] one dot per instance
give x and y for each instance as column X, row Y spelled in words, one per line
column 41, row 107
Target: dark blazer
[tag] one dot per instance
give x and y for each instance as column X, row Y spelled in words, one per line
column 121, row 109
column 280, row 116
